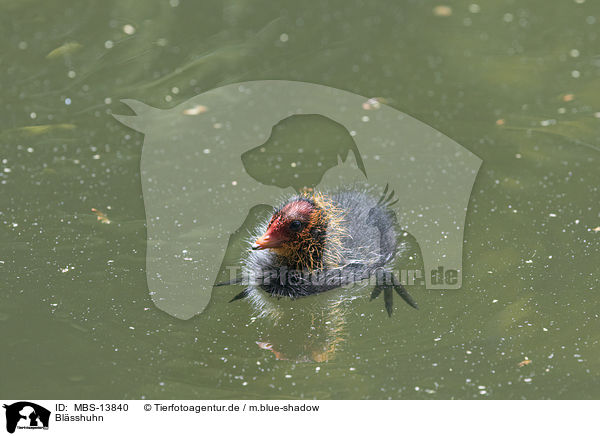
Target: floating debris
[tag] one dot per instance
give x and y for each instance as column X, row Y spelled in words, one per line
column 373, row 103
column 101, row 216
column 442, row 11
column 128, row 29
column 196, row 110
column 546, row 123
column 524, row 363
column 44, row 128
column 65, row 49
column 568, row 97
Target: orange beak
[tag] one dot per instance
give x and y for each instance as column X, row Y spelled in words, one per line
column 268, row 240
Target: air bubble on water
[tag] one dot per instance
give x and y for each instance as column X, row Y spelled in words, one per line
column 108, row 44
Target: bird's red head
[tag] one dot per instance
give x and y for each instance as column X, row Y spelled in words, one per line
column 289, row 225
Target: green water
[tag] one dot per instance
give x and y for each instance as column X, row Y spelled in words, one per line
column 516, row 83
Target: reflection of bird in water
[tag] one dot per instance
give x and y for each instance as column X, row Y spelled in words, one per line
column 316, row 242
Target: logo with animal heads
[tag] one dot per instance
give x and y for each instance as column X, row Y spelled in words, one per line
column 26, row 415
column 199, row 156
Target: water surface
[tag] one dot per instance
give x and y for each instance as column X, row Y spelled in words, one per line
column 516, row 83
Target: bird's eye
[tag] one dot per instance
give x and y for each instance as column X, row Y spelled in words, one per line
column 295, row 225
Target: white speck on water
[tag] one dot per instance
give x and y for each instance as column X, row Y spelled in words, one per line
column 7, row 170
column 33, row 115
column 30, row 150
column 67, row 101
column 108, row 44
column 107, row 100
column 234, row 182
column 131, row 327
column 174, row 3
column 206, row 151
column 288, row 376
column 365, row 119
column 552, row 215
column 474, row 8
column 96, row 156
column 597, row 114
column 417, row 388
column 529, row 261
column 353, row 132
column 71, row 74
column 128, row 29
column 544, row 329
column 508, row 17
column 574, row 53
column 547, row 123
column 175, row 90
column 284, row 37
column 518, row 155
column 217, row 125
column 575, row 74
column 437, row 339
column 23, row 45
column 168, row 98
column 494, row 301
column 527, row 380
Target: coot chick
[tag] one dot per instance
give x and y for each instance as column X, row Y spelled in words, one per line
column 319, row 241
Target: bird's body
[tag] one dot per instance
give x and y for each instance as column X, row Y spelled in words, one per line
column 317, row 241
